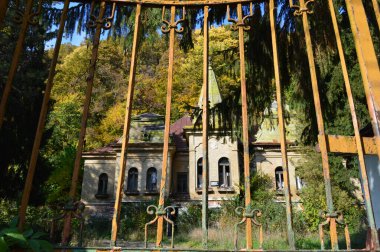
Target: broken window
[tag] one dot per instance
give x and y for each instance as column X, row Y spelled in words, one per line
column 224, row 172
column 151, row 180
column 199, row 172
column 279, row 173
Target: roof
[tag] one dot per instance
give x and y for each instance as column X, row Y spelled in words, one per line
column 105, row 150
column 148, row 117
column 147, row 129
column 177, row 129
column 214, row 96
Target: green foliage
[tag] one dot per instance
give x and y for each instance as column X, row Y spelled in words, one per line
column 134, row 218
column 23, row 107
column 57, row 187
column 343, row 191
column 96, row 229
column 192, row 214
column 264, row 198
column 37, row 218
column 11, row 237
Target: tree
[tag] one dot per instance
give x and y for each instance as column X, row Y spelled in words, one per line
column 17, row 133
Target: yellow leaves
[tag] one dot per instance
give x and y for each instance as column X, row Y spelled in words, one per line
column 111, row 79
column 111, row 126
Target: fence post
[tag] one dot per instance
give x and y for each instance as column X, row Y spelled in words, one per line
column 369, row 68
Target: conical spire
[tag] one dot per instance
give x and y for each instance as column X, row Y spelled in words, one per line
column 214, row 96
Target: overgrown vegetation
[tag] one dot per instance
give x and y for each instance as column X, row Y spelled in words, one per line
column 30, row 239
column 306, row 217
column 54, row 167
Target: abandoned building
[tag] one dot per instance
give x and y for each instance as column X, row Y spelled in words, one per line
column 144, row 160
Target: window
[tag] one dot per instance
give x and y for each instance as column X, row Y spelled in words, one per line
column 151, row 180
column 199, row 172
column 182, row 182
column 132, row 180
column 279, row 173
column 224, row 172
column 102, row 184
column 299, row 183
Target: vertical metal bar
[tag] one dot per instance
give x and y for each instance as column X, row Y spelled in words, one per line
column 3, row 10
column 247, row 185
column 160, row 220
column 369, row 68
column 42, row 118
column 205, row 91
column 359, row 144
column 347, row 236
column 127, row 124
column 15, row 58
column 375, row 4
column 85, row 113
column 281, row 125
column 322, row 137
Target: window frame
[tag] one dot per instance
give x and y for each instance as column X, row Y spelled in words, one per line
column 279, row 178
column 224, row 164
column 102, row 191
column 133, row 176
column 149, row 184
column 199, row 169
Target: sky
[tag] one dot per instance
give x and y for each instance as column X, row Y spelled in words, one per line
column 75, row 40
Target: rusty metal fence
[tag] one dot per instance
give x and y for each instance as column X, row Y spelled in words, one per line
column 176, row 13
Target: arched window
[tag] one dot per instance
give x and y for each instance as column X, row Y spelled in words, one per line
column 132, row 180
column 102, row 184
column 224, row 172
column 151, row 180
column 279, row 174
column 199, row 172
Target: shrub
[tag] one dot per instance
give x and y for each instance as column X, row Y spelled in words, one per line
column 11, row 237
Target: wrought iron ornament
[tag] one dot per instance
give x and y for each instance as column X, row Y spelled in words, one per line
column 34, row 16
column 249, row 213
column 338, row 217
column 159, row 211
column 18, row 15
column 74, row 210
column 236, row 23
column 105, row 22
column 167, row 25
column 301, row 8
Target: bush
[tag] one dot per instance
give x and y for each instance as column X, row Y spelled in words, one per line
column 11, row 238
column 133, row 220
column 37, row 218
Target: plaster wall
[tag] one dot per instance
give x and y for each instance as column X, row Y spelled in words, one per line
column 142, row 160
column 219, row 147
column 267, row 160
column 92, row 169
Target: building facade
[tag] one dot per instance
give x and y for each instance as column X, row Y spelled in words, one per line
column 184, row 171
